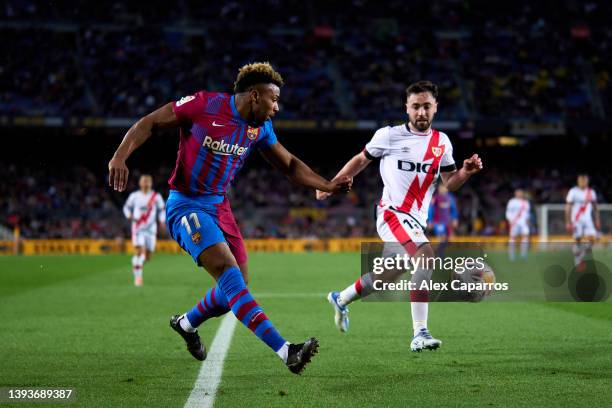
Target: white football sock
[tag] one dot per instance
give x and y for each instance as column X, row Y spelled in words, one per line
column 524, row 247
column 579, row 252
column 348, row 295
column 185, row 325
column 136, row 266
column 283, row 352
column 419, row 315
column 512, row 249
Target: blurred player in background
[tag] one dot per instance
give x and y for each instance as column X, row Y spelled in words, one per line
column 145, row 208
column 518, row 211
column 412, row 157
column 218, row 132
column 443, row 216
column 582, row 218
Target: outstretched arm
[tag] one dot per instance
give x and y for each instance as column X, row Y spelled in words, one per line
column 140, row 131
column 298, row 172
column 352, row 168
column 455, row 179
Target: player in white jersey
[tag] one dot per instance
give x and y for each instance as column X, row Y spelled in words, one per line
column 413, row 157
column 582, row 217
column 518, row 211
column 145, row 208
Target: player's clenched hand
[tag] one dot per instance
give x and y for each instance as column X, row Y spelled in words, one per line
column 322, row 195
column 472, row 165
column 341, row 185
column 117, row 174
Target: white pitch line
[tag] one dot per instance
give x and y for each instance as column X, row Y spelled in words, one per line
column 289, row 295
column 205, row 387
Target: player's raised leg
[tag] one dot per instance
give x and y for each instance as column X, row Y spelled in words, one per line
column 220, row 263
column 214, row 303
column 341, row 300
column 359, row 289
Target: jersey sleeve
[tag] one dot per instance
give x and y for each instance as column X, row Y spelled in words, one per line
column 447, row 163
column 570, row 196
column 268, row 138
column 509, row 210
column 128, row 207
column 379, row 145
column 189, row 107
column 161, row 208
column 594, row 196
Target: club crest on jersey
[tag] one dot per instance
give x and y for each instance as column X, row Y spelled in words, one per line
column 437, row 150
column 195, row 237
column 252, row 133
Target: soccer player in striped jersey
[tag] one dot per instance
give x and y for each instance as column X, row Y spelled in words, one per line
column 217, row 133
column 582, row 218
column 145, row 208
column 518, row 211
column 413, row 157
column 443, row 216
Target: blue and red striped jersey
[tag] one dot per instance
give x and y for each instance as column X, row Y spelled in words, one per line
column 214, row 143
column 443, row 209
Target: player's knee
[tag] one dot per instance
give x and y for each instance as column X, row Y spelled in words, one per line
column 217, row 259
column 217, row 266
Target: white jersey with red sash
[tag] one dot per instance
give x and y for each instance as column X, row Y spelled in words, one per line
column 582, row 203
column 582, row 210
column 517, row 215
column 145, row 210
column 410, row 164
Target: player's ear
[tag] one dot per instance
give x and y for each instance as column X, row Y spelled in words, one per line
column 254, row 94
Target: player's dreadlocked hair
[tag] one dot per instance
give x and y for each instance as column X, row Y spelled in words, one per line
column 423, row 86
column 256, row 73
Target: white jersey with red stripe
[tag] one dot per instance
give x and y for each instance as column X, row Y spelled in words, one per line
column 582, row 203
column 517, row 211
column 410, row 164
column 145, row 210
column 517, row 215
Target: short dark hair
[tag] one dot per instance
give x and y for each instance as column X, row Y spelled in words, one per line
column 423, row 86
column 256, row 73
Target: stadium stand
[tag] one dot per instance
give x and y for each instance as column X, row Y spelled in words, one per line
column 123, row 60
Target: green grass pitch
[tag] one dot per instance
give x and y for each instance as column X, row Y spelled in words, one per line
column 77, row 321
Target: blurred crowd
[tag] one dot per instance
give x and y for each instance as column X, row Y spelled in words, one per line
column 349, row 59
column 345, row 59
column 69, row 203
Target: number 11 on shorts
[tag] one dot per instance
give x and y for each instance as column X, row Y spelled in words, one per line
column 194, row 219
